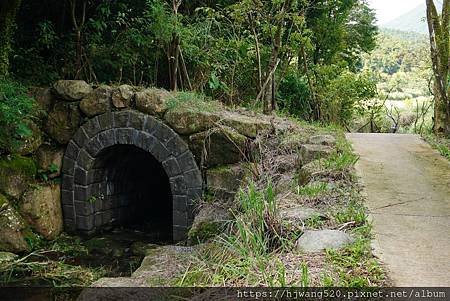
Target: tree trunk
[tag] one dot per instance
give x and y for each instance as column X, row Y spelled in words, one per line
column 174, row 55
column 269, row 103
column 174, row 51
column 8, row 10
column 78, row 28
column 315, row 103
column 439, row 32
column 258, row 52
column 270, row 87
column 439, row 116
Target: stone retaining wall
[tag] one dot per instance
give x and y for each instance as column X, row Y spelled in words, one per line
column 192, row 139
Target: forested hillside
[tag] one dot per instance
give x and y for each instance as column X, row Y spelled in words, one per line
column 402, row 62
column 401, row 67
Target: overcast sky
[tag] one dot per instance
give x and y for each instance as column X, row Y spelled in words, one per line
column 388, row 10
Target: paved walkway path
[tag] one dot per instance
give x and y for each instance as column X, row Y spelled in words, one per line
column 408, row 191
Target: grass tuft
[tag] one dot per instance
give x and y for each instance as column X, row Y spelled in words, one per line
column 355, row 266
column 192, row 102
column 312, row 190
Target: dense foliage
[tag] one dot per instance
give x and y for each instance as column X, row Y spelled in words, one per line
column 276, row 53
column 16, row 109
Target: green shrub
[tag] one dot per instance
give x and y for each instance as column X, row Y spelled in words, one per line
column 341, row 92
column 294, row 96
column 16, row 110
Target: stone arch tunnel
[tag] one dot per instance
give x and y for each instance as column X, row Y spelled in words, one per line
column 126, row 167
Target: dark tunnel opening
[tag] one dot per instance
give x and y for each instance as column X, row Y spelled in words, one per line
column 136, row 191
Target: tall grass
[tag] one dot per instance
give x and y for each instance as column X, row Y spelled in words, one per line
column 243, row 254
column 256, row 230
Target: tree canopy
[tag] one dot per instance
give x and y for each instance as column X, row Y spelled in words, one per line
column 236, row 51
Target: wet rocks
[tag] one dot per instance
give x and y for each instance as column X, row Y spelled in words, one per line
column 317, row 241
column 142, row 248
column 158, row 268
column 104, row 246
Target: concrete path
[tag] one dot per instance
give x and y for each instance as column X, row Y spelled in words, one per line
column 408, row 191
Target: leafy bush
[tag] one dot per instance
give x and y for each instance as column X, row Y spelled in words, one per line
column 294, row 96
column 16, row 110
column 342, row 92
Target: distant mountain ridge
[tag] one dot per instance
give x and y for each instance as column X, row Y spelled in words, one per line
column 414, row 20
column 409, row 36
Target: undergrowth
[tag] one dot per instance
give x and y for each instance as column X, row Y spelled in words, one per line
column 244, row 254
column 16, row 111
column 44, row 267
column 441, row 144
column 258, row 249
column 355, row 266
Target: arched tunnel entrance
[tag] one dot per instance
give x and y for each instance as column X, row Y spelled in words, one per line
column 129, row 169
column 137, row 190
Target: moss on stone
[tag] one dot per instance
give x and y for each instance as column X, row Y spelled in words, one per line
column 205, row 231
column 34, row 241
column 3, row 201
column 192, row 102
column 16, row 173
column 294, row 140
column 96, row 243
column 13, row 231
column 188, row 122
column 18, row 164
column 219, row 146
